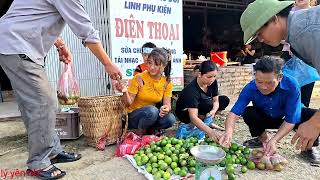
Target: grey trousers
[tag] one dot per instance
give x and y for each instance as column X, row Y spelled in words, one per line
column 37, row 103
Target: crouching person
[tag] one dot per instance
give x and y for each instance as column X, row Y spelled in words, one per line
column 199, row 100
column 148, row 95
column 276, row 101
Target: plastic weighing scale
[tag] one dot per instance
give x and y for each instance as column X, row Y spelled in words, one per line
column 207, row 158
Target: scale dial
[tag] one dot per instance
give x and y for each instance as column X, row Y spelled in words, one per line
column 210, row 172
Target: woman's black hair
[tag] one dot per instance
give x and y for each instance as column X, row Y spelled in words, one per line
column 162, row 56
column 207, row 66
column 269, row 64
column 148, row 45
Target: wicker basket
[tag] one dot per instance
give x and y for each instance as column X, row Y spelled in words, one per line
column 103, row 117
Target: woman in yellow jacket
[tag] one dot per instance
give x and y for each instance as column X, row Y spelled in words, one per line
column 148, row 95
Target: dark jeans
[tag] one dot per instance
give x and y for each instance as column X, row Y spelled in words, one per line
column 306, row 92
column 258, row 121
column 148, row 117
column 184, row 115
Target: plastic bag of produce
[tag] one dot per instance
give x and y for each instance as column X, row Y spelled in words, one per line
column 185, row 131
column 68, row 88
column 130, row 145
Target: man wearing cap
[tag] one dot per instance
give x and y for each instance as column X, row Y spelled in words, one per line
column 270, row 21
column 27, row 32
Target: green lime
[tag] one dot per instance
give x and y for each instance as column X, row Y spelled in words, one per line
column 183, row 163
column 229, row 169
column 161, row 172
column 176, row 170
column 168, row 160
column 164, row 143
column 149, row 155
column 174, row 158
column 145, row 159
column 166, row 176
column 192, row 170
column 160, row 156
column 158, row 149
column 139, row 163
column 172, row 149
column 155, row 165
column 174, row 141
column 153, row 159
column 231, row 177
column 222, row 163
column 251, row 165
column 161, row 162
column 182, row 150
column 149, row 169
column 241, row 148
column 228, row 156
column 168, row 152
column 183, row 173
column 138, row 158
column 163, row 166
column 174, row 165
column 237, row 161
column 157, row 176
column 234, row 146
column 154, row 170
column 148, row 150
column 177, row 146
column 243, row 161
column 244, row 169
column 246, row 151
column 169, row 145
column 185, row 168
column 192, row 163
column 177, row 152
column 170, row 170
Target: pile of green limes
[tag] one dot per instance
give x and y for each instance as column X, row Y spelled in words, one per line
column 235, row 155
column 167, row 157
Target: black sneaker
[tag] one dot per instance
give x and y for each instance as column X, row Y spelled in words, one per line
column 313, row 155
column 253, row 143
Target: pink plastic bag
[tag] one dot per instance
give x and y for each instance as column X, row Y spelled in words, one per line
column 68, row 88
column 133, row 142
column 130, row 145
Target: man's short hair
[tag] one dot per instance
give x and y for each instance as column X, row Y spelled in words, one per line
column 269, row 64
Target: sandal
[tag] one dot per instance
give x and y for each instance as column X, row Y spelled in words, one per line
column 46, row 174
column 64, row 157
column 253, row 143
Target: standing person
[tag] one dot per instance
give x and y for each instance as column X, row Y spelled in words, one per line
column 147, row 90
column 146, row 50
column 276, row 104
column 27, row 31
column 302, row 72
column 270, row 21
column 200, row 99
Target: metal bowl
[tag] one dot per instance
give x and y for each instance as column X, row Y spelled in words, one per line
column 208, row 154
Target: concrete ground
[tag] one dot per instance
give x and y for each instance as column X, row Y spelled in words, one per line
column 103, row 165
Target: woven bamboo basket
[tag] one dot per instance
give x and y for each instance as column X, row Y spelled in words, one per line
column 103, row 117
